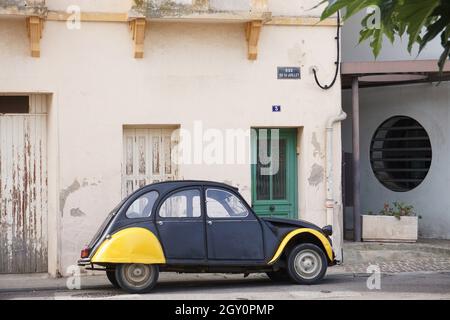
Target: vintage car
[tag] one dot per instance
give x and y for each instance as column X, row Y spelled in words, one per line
column 201, row 226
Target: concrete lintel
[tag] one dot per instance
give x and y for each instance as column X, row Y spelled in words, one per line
column 389, row 67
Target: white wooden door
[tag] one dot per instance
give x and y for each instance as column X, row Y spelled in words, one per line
column 23, row 190
column 147, row 158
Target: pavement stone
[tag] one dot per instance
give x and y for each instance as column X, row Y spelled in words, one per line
column 390, row 258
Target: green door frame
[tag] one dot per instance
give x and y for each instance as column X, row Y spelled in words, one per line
column 291, row 175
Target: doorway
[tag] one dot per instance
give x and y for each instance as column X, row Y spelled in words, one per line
column 274, row 172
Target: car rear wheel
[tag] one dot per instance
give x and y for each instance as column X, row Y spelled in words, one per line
column 307, row 264
column 111, row 275
column 137, row 278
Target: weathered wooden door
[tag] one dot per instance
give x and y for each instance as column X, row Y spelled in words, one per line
column 275, row 194
column 23, row 190
column 147, row 158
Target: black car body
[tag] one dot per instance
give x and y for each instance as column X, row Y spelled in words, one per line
column 202, row 226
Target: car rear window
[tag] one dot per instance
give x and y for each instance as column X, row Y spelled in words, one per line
column 105, row 223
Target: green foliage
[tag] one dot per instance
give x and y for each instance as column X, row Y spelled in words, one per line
column 399, row 209
column 420, row 20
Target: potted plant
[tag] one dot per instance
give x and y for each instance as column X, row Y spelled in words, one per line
column 396, row 223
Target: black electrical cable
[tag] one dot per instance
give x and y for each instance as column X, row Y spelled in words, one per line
column 338, row 38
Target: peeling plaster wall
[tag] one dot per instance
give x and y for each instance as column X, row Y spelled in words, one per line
column 295, row 8
column 238, row 5
column 22, row 3
column 89, row 5
column 189, row 72
column 277, row 7
column 30, row 7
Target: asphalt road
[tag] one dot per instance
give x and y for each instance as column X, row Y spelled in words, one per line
column 434, row 285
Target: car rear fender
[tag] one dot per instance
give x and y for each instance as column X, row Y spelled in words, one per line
column 130, row 245
column 297, row 235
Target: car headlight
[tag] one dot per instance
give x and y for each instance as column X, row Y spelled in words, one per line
column 328, row 230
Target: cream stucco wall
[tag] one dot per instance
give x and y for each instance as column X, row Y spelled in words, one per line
column 189, row 72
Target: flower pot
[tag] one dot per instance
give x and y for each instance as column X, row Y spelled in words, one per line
column 389, row 228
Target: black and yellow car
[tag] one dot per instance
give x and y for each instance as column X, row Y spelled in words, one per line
column 201, row 226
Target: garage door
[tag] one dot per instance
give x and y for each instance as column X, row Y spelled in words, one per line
column 147, row 158
column 23, row 185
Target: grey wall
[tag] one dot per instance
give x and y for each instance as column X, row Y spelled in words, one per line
column 429, row 105
column 398, row 51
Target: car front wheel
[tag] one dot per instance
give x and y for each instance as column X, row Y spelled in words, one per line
column 137, row 278
column 307, row 264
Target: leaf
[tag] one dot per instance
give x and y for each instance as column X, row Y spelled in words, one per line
column 377, row 41
column 432, row 31
column 365, row 34
column 334, row 6
column 420, row 20
column 416, row 13
column 443, row 58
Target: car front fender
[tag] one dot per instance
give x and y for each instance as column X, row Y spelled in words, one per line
column 326, row 244
column 130, row 245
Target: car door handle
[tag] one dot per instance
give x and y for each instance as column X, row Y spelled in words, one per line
column 160, row 223
column 272, row 208
column 209, row 222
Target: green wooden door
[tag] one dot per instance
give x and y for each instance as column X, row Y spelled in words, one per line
column 274, row 193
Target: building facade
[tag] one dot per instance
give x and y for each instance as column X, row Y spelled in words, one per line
column 404, row 122
column 101, row 97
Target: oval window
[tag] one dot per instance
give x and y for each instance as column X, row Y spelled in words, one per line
column 142, row 206
column 400, row 153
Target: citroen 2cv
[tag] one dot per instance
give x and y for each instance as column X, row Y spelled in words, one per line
column 201, row 226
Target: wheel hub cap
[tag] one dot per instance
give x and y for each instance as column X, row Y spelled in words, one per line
column 307, row 264
column 137, row 275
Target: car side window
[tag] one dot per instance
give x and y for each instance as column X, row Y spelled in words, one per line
column 183, row 204
column 142, row 206
column 224, row 204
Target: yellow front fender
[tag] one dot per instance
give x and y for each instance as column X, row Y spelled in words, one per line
column 131, row 245
column 326, row 244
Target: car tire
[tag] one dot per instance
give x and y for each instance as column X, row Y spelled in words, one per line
column 137, row 278
column 278, row 276
column 111, row 275
column 307, row 264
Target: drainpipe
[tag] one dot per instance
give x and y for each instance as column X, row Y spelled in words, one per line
column 330, row 202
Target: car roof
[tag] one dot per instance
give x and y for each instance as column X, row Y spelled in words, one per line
column 173, row 184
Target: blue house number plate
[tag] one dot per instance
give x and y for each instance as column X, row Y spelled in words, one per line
column 276, row 108
column 288, row 73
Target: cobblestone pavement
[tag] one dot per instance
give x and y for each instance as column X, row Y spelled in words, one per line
column 430, row 264
column 435, row 285
column 392, row 258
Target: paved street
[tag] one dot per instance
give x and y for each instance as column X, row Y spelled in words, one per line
column 423, row 285
column 409, row 271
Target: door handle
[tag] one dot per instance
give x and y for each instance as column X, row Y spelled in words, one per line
column 209, row 222
column 272, row 208
column 160, row 223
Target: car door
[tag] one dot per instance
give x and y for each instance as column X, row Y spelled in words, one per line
column 233, row 231
column 181, row 226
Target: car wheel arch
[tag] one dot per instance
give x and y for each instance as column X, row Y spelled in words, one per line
column 305, row 238
column 301, row 236
column 130, row 245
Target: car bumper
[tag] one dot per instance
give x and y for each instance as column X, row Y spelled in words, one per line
column 84, row 262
